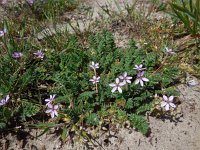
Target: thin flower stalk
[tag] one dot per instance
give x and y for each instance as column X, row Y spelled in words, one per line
column 95, row 66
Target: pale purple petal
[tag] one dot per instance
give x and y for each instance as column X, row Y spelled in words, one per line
column 112, row 85
column 141, row 83
column 52, row 114
column 171, row 98
column 48, row 111
column 145, row 79
column 172, row 105
column 50, row 106
column 137, row 81
column 119, row 89
column 56, row 113
column 55, row 106
column 122, row 83
column 167, row 107
column 163, row 104
column 165, row 98
column 117, row 81
column 128, row 81
column 128, row 78
column 114, row 89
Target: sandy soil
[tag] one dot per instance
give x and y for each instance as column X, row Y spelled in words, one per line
column 182, row 134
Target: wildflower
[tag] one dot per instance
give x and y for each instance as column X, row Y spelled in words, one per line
column 139, row 67
column 39, row 54
column 140, row 78
column 5, row 100
column 17, row 55
column 125, row 78
column 168, row 102
column 94, row 66
column 30, row 2
column 169, row 51
column 2, row 33
column 95, row 79
column 52, row 109
column 117, row 86
column 50, row 99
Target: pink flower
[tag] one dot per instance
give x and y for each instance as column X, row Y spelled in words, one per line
column 50, row 99
column 117, row 86
column 94, row 65
column 95, row 79
column 125, row 78
column 169, row 51
column 168, row 102
column 141, row 79
column 17, row 55
column 52, row 109
column 39, row 54
column 139, row 67
column 5, row 100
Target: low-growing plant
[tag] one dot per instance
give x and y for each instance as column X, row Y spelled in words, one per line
column 78, row 85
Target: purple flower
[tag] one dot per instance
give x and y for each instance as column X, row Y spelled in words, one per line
column 94, row 66
column 39, row 54
column 125, row 78
column 30, row 2
column 168, row 102
column 17, row 55
column 52, row 109
column 139, row 67
column 169, row 51
column 117, row 86
column 140, row 78
column 50, row 99
column 2, row 33
column 5, row 100
column 95, row 79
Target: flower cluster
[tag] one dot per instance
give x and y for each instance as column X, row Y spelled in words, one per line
column 52, row 109
column 4, row 100
column 39, row 54
column 95, row 79
column 120, row 82
column 124, row 79
column 140, row 75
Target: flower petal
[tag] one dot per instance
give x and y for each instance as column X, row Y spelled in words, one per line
column 112, row 85
column 163, row 104
column 119, row 89
column 167, row 107
column 145, row 79
column 117, row 80
column 172, row 105
column 55, row 107
column 125, row 74
column 141, row 83
column 137, row 81
column 165, row 98
column 48, row 111
column 171, row 98
column 128, row 81
column 52, row 114
column 114, row 89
